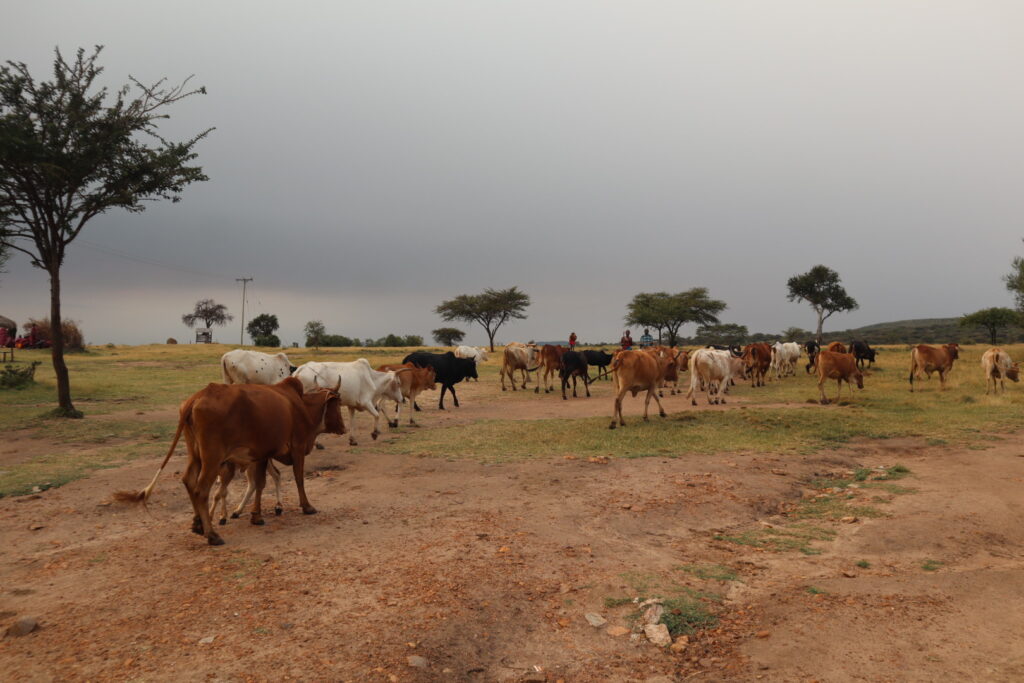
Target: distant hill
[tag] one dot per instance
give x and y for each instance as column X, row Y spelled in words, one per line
column 923, row 331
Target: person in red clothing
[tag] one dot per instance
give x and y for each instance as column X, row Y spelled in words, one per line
column 572, row 341
column 626, row 341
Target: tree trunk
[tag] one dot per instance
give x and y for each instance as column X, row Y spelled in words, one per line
column 992, row 333
column 490, row 336
column 821, row 321
column 60, row 369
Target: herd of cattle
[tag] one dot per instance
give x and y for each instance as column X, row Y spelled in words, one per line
column 268, row 410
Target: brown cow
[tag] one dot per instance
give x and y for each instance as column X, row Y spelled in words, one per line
column 413, row 382
column 836, row 347
column 245, row 425
column 757, row 358
column 549, row 357
column 840, row 367
column 928, row 359
column 637, row 371
column 998, row 365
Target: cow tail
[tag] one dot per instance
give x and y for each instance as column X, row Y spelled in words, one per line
column 224, row 370
column 143, row 495
column 913, row 364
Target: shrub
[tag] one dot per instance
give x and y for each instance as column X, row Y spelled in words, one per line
column 267, row 340
column 74, row 340
column 18, row 376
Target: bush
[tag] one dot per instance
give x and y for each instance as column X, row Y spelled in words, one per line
column 18, row 376
column 337, row 340
column 267, row 340
column 74, row 340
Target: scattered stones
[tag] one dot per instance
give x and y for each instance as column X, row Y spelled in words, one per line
column 636, row 638
column 616, row 631
column 658, row 634
column 651, row 601
column 626, row 506
column 849, row 520
column 35, row 527
column 763, row 634
column 534, row 677
column 208, row 640
column 23, row 627
column 652, row 615
column 595, row 620
column 682, row 642
column 849, row 574
column 417, row 662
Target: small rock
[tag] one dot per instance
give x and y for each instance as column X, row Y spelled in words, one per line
column 658, row 634
column 636, row 638
column 287, row 626
column 35, row 527
column 652, row 615
column 417, row 661
column 564, row 588
column 208, row 640
column 651, row 601
column 679, row 646
column 23, row 627
column 848, row 520
column 763, row 634
column 616, row 631
column 626, row 506
column 705, row 662
column 595, row 620
column 850, row 575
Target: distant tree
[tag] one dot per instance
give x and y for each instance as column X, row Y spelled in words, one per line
column 795, row 334
column 448, row 336
column 993, row 320
column 5, row 251
column 820, row 288
column 208, row 311
column 491, row 309
column 669, row 312
column 262, row 329
column 721, row 334
column 1015, row 281
column 68, row 155
column 314, row 332
column 336, row 340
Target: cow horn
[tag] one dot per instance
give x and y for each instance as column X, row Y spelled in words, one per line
column 337, row 388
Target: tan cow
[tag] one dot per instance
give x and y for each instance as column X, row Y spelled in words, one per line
column 517, row 356
column 549, row 357
column 414, row 380
column 929, row 359
column 636, row 371
column 998, row 365
column 838, row 366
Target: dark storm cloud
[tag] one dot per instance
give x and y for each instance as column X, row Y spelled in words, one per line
column 371, row 159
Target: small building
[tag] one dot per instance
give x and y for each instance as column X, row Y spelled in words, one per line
column 204, row 335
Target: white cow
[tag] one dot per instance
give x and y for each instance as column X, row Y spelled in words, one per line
column 517, row 356
column 477, row 353
column 362, row 387
column 252, row 367
column 712, row 369
column 784, row 358
column 998, row 365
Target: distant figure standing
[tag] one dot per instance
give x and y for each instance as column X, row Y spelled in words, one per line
column 572, row 341
column 626, row 341
column 646, row 340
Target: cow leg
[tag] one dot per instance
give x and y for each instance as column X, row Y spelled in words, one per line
column 586, row 384
column 565, row 384
column 455, row 399
column 618, row 410
column 501, row 376
column 191, row 480
column 259, row 475
column 821, row 390
column 275, row 474
column 352, row 427
column 299, row 470
column 444, row 388
column 416, row 406
column 376, row 421
column 839, row 389
column 227, row 473
column 206, row 477
column 661, row 410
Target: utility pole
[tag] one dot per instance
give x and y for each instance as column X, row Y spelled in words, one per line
column 244, row 281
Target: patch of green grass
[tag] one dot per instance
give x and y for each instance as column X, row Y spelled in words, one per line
column 686, row 616
column 931, row 565
column 833, row 508
column 781, row 539
column 61, row 467
column 864, row 564
column 814, row 590
column 716, row 572
column 612, row 603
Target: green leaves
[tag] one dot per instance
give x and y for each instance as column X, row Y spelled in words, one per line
column 491, row 309
column 992, row 319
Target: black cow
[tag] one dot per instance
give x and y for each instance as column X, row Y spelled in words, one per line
column 448, row 371
column 600, row 360
column 812, row 349
column 574, row 364
column 862, row 351
column 734, row 349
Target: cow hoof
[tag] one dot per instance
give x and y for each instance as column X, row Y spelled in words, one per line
column 824, row 401
column 663, row 414
column 393, row 425
column 235, row 515
column 222, row 521
column 257, row 521
column 278, row 510
column 319, row 446
column 646, row 419
column 612, row 425
column 309, row 510
column 693, row 403
column 504, row 389
column 374, row 434
column 353, row 442
column 536, row 390
column 197, row 528
column 215, row 540
column 565, row 399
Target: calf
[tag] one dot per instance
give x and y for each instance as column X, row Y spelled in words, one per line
column 246, row 425
column 840, row 367
column 574, row 364
column 636, row 371
column 600, row 360
column 929, row 359
column 997, row 365
column 448, row 371
column 862, row 351
column 413, row 382
column 362, row 387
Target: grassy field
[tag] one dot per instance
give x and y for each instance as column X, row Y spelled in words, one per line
column 117, row 386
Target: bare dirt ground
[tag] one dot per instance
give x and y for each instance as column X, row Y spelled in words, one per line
column 486, row 571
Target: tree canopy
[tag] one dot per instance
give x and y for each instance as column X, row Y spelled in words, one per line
column 820, row 287
column 70, row 151
column 721, row 334
column 993, row 320
column 448, row 336
column 262, row 329
column 314, row 332
column 209, row 312
column 491, row 309
column 669, row 312
column 1015, row 281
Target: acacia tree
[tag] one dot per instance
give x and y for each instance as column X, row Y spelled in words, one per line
column 262, row 329
column 315, row 333
column 669, row 312
column 491, row 309
column 210, row 312
column 448, row 336
column 992, row 319
column 67, row 155
column 820, row 288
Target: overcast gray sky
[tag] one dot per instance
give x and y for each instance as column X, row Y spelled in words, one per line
column 374, row 158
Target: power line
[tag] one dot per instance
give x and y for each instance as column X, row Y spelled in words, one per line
column 142, row 259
